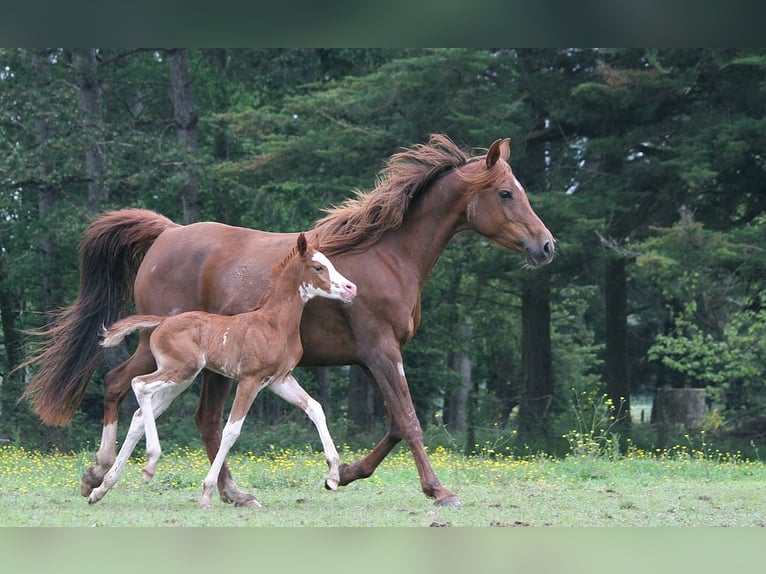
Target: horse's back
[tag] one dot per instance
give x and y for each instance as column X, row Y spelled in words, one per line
column 208, row 266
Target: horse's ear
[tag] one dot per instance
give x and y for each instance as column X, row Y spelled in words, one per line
column 498, row 149
column 302, row 245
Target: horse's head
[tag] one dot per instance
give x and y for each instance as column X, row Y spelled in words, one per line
column 498, row 207
column 320, row 278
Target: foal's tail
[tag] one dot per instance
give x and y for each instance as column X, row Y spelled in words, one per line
column 110, row 253
column 114, row 335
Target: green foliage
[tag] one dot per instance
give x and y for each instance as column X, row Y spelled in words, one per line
column 736, row 360
column 610, row 144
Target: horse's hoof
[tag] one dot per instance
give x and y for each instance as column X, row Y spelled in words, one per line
column 331, row 484
column 236, row 497
column 147, row 476
column 451, row 501
column 244, row 499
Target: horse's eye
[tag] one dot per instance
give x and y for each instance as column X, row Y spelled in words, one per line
column 504, row 194
column 318, row 268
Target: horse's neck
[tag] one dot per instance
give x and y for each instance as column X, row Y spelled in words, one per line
column 430, row 224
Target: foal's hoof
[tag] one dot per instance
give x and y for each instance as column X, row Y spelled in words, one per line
column 91, row 479
column 146, row 475
column 331, row 484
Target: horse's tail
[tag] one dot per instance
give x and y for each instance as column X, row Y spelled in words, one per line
column 110, row 253
column 114, row 335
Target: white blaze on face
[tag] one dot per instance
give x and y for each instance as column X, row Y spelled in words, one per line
column 338, row 282
column 516, row 181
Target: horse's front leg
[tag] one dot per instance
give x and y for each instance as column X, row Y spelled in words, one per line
column 291, row 391
column 387, row 370
column 215, row 391
column 116, row 387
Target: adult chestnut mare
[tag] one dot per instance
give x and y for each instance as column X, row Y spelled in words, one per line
column 386, row 241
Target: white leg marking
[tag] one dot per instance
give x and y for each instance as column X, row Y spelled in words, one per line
column 291, row 391
column 163, row 395
column 135, row 432
column 107, row 448
column 228, row 438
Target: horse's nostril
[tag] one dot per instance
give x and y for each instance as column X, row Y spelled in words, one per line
column 547, row 248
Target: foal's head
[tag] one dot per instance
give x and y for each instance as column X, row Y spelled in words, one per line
column 319, row 276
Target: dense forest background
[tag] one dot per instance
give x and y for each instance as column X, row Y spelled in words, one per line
column 648, row 165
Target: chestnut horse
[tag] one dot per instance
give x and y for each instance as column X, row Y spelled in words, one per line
column 386, row 240
column 260, row 348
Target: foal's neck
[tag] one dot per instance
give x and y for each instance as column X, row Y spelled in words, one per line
column 283, row 294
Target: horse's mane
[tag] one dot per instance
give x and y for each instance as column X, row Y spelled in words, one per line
column 360, row 221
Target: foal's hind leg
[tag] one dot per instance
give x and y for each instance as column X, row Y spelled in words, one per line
column 117, row 386
column 290, row 390
column 154, row 394
column 135, row 432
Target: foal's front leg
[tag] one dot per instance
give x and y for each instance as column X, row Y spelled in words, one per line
column 212, row 401
column 246, row 392
column 290, row 390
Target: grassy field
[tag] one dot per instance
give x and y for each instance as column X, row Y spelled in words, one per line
column 678, row 487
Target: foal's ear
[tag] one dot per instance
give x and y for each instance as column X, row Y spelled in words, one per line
column 302, row 245
column 498, row 149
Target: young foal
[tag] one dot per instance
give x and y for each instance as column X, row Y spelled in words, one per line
column 260, row 348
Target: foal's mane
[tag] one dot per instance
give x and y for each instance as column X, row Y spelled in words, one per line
column 360, row 221
column 276, row 272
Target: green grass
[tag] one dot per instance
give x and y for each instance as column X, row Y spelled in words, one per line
column 677, row 487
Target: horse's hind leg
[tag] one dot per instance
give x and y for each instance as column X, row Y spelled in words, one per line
column 212, row 401
column 290, row 390
column 116, row 387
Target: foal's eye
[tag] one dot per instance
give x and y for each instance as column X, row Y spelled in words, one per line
column 504, row 194
column 318, row 268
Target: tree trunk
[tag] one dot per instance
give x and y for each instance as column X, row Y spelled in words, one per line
column 455, row 415
column 361, row 400
column 11, row 335
column 325, row 388
column 674, row 407
column 185, row 119
column 47, row 194
column 616, row 363
column 536, row 371
column 86, row 71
